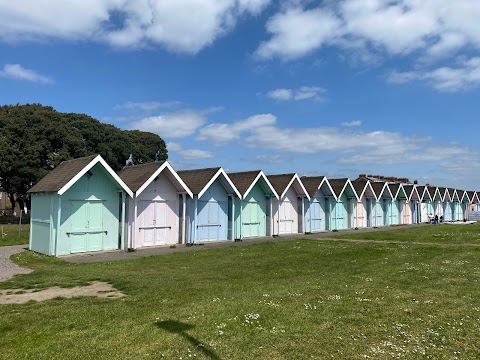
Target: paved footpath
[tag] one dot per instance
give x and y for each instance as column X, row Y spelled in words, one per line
column 7, row 267
column 162, row 250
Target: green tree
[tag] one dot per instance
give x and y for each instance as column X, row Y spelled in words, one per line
column 35, row 138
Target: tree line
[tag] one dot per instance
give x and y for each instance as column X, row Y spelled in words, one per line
column 35, row 138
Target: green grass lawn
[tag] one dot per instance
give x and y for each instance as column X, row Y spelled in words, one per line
column 440, row 233
column 285, row 300
column 10, row 234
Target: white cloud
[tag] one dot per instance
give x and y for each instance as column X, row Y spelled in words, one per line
column 398, row 27
column 18, row 72
column 444, row 79
column 346, row 145
column 180, row 25
column 280, row 94
column 146, row 105
column 220, row 134
column 296, row 32
column 189, row 154
column 302, row 93
column 171, row 125
column 423, row 31
column 309, row 92
column 352, row 123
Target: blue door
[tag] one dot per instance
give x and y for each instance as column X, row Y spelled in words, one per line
column 212, row 221
column 317, row 214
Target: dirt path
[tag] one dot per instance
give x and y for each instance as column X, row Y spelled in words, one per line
column 7, row 267
column 96, row 288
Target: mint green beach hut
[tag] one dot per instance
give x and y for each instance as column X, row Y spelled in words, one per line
column 383, row 200
column 397, row 209
column 341, row 208
column 254, row 210
column 78, row 207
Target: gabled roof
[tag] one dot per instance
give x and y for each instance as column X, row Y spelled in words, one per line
column 471, row 196
column 475, row 197
column 394, row 188
column 340, row 185
column 312, row 183
column 68, row 172
column 398, row 191
column 432, row 191
column 443, row 192
column 411, row 191
column 422, row 191
column 462, row 195
column 244, row 181
column 379, row 189
column 138, row 177
column 199, row 180
column 453, row 194
column 361, row 186
column 282, row 183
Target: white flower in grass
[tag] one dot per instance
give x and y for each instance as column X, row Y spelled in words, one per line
column 251, row 319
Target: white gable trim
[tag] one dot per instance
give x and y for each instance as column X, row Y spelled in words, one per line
column 329, row 186
column 260, row 174
column 214, row 177
column 398, row 191
column 167, row 165
column 351, row 186
column 97, row 159
column 411, row 194
column 295, row 176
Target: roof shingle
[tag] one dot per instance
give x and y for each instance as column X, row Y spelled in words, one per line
column 61, row 175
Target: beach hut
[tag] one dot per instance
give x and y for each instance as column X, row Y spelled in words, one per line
column 464, row 201
column 289, row 209
column 476, row 200
column 318, row 189
column 448, row 204
column 443, row 195
column 383, row 199
column 398, row 205
column 159, row 195
column 436, row 197
column 426, row 206
column 342, row 210
column 78, row 207
column 411, row 211
column 456, row 205
column 254, row 207
column 473, row 205
column 212, row 207
column 365, row 203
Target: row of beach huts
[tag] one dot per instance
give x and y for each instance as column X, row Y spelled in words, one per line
column 82, row 205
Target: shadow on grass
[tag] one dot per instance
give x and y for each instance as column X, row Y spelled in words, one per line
column 177, row 327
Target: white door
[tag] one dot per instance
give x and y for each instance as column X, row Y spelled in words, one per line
column 285, row 217
column 154, row 229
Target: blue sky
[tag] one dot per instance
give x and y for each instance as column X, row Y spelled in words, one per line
column 332, row 88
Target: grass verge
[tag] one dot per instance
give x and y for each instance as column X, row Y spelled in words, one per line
column 440, row 233
column 10, row 234
column 287, row 300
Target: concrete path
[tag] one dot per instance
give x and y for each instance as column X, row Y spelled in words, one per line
column 7, row 267
column 162, row 250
